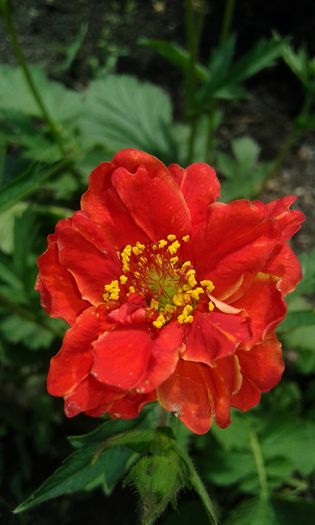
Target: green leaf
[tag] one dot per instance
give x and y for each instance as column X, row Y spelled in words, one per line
column 120, row 111
column 298, row 62
column 244, row 174
column 90, row 462
column 253, row 512
column 175, row 55
column 7, row 225
column 26, row 184
column 307, row 285
column 225, row 78
column 62, row 103
column 296, row 320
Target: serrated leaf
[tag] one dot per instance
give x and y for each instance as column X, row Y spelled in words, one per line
column 244, row 174
column 62, row 103
column 253, row 512
column 120, row 111
column 76, row 473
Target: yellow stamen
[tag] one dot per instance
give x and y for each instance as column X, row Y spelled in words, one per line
column 171, row 237
column 174, row 260
column 132, row 289
column 173, row 247
column 123, row 279
column 211, row 306
column 162, row 243
column 186, row 238
column 159, row 321
column 208, row 285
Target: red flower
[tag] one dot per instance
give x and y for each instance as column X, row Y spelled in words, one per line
column 169, row 295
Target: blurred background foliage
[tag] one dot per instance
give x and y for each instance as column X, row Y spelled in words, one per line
column 232, row 83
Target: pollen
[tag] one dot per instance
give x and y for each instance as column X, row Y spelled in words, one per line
column 208, row 285
column 186, row 238
column 185, row 316
column 112, row 291
column 162, row 243
column 171, row 237
column 159, row 321
column 123, row 279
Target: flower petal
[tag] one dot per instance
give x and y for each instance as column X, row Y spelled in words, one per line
column 131, row 405
column 215, row 335
column 286, row 266
column 265, row 306
column 263, row 365
column 153, row 201
column 104, row 207
column 59, row 293
column 133, row 359
column 84, row 251
column 200, row 187
column 89, row 395
column 73, row 362
column 187, row 393
column 290, row 220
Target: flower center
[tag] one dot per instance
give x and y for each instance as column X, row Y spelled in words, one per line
column 155, row 272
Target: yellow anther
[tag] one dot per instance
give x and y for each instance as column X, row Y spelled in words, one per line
column 178, row 299
column 211, row 306
column 186, row 238
column 132, row 289
column 187, row 287
column 173, row 247
column 169, row 308
column 195, row 294
column 208, row 285
column 185, row 316
column 112, row 291
column 123, row 279
column 185, row 264
column 136, row 250
column 191, row 277
column 159, row 321
column 171, row 237
column 174, row 260
column 162, row 243
column 154, row 247
column 137, row 274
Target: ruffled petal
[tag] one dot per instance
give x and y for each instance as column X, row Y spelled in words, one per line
column 187, row 393
column 237, row 239
column 60, row 296
column 153, row 201
column 200, row 187
column 135, row 359
column 73, row 362
column 104, row 207
column 247, row 397
column 290, row 220
column 284, row 265
column 89, row 395
column 84, row 251
column 131, row 405
column 265, row 306
column 226, row 381
column 215, row 335
column 263, row 365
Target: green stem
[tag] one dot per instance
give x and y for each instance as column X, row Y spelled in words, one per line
column 198, row 485
column 227, row 19
column 260, row 464
column 27, row 315
column 224, row 33
column 18, row 51
column 193, row 26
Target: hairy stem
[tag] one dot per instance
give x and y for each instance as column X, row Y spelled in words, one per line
column 260, row 464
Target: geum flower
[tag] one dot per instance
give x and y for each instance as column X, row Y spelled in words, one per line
column 169, row 295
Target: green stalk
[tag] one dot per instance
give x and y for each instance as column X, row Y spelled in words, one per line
column 225, row 31
column 260, row 464
column 193, row 26
column 18, row 52
column 198, row 485
column 227, row 19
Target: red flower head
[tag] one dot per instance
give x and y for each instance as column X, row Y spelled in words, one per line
column 169, row 295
